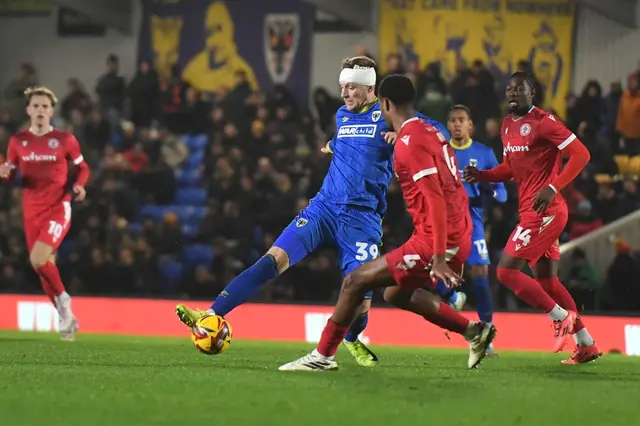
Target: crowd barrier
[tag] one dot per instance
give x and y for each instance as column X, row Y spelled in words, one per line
column 302, row 323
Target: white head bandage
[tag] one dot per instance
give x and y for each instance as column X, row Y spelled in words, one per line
column 358, row 75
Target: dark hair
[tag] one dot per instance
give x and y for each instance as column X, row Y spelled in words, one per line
column 526, row 77
column 398, row 89
column 358, row 61
column 460, row 107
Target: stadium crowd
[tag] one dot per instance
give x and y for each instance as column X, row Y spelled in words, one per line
column 238, row 166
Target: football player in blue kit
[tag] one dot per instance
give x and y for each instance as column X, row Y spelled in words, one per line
column 471, row 153
column 346, row 213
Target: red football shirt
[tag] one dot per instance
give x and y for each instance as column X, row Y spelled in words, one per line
column 42, row 161
column 532, row 146
column 425, row 165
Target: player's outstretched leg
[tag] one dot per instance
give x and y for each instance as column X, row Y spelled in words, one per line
column 529, row 290
column 42, row 259
column 546, row 273
column 421, row 302
column 355, row 285
column 360, row 352
column 372, row 275
column 455, row 299
column 241, row 288
column 484, row 299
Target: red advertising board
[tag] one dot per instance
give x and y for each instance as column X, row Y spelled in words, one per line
column 300, row 323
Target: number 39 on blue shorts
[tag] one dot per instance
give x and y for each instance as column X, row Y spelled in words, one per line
column 355, row 233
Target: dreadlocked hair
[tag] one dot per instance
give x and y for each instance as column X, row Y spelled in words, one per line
column 524, row 76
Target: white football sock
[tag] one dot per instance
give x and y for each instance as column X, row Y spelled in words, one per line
column 558, row 313
column 583, row 338
column 317, row 354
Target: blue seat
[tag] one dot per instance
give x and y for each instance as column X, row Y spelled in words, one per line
column 188, row 177
column 196, row 142
column 190, row 196
column 135, row 228
column 190, row 230
column 195, row 255
column 64, row 250
column 170, row 270
column 187, row 214
column 193, row 160
column 154, row 212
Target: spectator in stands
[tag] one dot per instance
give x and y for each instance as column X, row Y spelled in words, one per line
column 195, row 113
column 144, row 93
column 628, row 123
column 611, row 107
column 582, row 280
column 14, row 93
column 111, row 90
column 591, row 106
column 77, row 99
column 487, row 84
column 96, row 132
column 607, row 200
column 326, row 107
column 584, row 221
column 435, row 102
column 628, row 199
column 394, row 64
column 623, row 278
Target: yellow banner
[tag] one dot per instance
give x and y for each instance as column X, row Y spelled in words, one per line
column 499, row 32
column 25, row 7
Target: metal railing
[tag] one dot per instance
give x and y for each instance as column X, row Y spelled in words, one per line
column 598, row 245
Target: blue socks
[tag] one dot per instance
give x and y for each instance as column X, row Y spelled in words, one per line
column 245, row 285
column 445, row 292
column 357, row 327
column 484, row 302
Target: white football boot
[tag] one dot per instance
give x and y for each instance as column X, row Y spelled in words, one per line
column 67, row 323
column 311, row 362
column 480, row 342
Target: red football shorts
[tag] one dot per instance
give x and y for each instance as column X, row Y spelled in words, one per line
column 49, row 227
column 409, row 263
column 537, row 236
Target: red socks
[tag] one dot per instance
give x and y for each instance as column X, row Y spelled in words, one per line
column 51, row 281
column 48, row 290
column 561, row 295
column 449, row 319
column 527, row 289
column 331, row 337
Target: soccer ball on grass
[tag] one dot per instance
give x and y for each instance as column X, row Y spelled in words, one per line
column 211, row 334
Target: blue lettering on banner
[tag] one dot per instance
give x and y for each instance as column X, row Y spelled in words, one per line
column 358, row 131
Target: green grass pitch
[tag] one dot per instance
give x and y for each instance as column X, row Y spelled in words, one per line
column 121, row 381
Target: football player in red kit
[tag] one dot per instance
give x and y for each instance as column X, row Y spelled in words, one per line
column 427, row 173
column 41, row 154
column 534, row 143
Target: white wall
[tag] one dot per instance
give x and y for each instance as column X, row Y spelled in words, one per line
column 58, row 58
column 604, row 50
column 329, row 49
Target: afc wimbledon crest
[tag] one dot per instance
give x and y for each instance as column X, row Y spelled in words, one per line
column 282, row 33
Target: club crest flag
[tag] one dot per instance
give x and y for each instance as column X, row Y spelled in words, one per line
column 499, row 32
column 209, row 42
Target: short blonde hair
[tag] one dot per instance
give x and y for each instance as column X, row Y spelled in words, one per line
column 359, row 61
column 40, row 91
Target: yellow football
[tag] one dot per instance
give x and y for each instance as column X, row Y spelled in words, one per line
column 211, row 334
